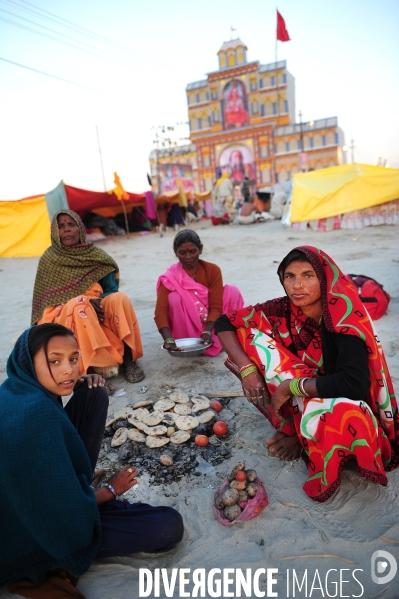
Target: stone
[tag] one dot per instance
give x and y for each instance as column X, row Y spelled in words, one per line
column 170, row 431
column 166, row 460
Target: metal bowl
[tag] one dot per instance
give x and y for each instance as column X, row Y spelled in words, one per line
column 190, row 347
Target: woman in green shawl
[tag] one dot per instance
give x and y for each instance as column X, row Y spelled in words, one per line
column 77, row 286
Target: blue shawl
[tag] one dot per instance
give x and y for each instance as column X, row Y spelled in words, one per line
column 48, row 513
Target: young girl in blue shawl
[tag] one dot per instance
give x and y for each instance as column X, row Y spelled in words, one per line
column 50, row 515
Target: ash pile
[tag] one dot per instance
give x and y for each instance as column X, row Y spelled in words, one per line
column 160, row 438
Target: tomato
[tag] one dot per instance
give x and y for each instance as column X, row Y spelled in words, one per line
column 220, row 428
column 216, row 406
column 241, row 476
column 201, row 440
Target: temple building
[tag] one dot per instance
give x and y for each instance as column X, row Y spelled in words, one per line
column 242, row 120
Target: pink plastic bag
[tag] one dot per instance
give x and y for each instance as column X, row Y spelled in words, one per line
column 252, row 508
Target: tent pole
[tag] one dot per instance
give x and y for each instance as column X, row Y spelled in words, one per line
column 278, row 108
column 101, row 159
column 126, row 221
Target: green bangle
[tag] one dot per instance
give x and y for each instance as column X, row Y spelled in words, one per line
column 207, row 333
column 246, row 371
column 295, row 388
column 170, row 340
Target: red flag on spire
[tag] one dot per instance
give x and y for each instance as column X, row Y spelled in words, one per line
column 282, row 33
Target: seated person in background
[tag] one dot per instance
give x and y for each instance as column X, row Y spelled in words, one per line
column 191, row 295
column 191, row 213
column 220, row 215
column 52, row 451
column 278, row 201
column 225, row 193
column 316, row 354
column 249, row 214
column 175, row 216
column 77, row 286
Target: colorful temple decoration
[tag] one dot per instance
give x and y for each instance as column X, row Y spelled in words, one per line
column 242, row 120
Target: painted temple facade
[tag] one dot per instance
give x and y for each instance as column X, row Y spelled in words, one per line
column 242, row 120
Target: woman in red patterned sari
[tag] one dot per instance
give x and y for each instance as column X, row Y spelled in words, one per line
column 312, row 363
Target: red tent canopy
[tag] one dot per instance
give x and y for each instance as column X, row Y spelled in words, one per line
column 82, row 201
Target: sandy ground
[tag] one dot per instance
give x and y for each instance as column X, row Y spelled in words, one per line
column 314, row 537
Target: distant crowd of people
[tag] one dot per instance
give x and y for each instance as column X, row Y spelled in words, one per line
column 235, row 203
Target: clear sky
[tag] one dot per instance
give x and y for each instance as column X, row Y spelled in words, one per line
column 343, row 55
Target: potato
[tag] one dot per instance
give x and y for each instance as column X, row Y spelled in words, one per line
column 219, row 502
column 232, row 512
column 240, row 485
column 251, row 475
column 230, row 496
column 237, row 467
column 252, row 489
column 166, row 460
column 242, row 496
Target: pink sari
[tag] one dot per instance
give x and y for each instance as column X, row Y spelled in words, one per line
column 188, row 305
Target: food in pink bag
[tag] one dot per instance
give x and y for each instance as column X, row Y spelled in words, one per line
column 241, row 497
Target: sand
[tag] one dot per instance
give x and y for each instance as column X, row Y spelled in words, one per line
column 349, row 526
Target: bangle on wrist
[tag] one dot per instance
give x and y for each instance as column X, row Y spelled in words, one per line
column 207, row 333
column 247, row 371
column 247, row 366
column 302, row 387
column 295, row 388
column 170, row 340
column 111, row 488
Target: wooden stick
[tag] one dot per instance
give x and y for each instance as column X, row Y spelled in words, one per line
column 323, row 555
column 389, row 540
column 225, row 394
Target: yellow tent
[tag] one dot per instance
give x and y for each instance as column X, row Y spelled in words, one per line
column 24, row 227
column 341, row 189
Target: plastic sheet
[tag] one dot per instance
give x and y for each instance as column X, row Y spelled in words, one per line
column 253, row 507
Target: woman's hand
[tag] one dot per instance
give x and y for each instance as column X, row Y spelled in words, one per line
column 123, row 480
column 92, row 380
column 96, row 303
column 280, row 396
column 207, row 337
column 168, row 342
column 171, row 346
column 255, row 389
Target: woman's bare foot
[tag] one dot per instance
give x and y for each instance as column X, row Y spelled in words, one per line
column 284, row 447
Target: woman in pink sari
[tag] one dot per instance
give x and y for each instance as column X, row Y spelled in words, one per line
column 191, row 296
